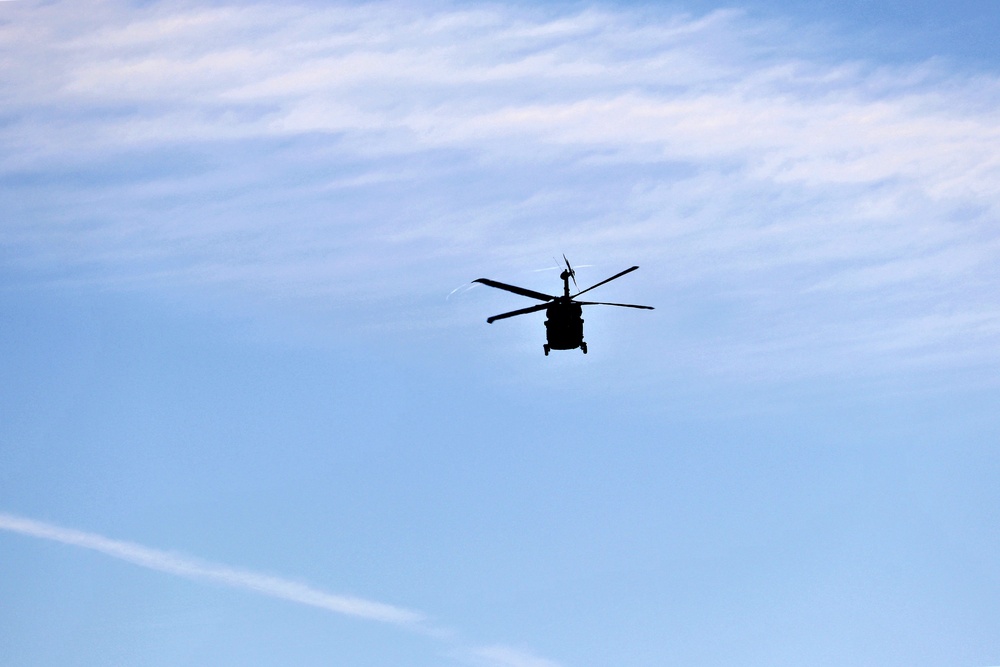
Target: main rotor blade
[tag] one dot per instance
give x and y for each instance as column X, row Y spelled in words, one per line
column 523, row 311
column 604, row 303
column 617, row 275
column 515, row 289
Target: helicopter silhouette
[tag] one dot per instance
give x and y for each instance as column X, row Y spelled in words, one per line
column 564, row 314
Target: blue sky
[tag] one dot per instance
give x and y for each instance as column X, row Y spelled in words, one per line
column 252, row 412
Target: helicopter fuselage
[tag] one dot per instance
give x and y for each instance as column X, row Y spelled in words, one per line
column 564, row 325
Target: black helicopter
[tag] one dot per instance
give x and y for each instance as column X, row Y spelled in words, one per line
column 564, row 323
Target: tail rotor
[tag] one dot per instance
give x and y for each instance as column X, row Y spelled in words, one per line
column 570, row 273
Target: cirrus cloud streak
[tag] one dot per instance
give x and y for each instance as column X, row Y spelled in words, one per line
column 350, row 151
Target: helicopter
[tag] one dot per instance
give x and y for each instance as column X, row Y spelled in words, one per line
column 564, row 314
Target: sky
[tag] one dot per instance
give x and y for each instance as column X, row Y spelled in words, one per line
column 251, row 411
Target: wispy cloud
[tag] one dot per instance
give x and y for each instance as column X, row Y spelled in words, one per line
column 504, row 656
column 271, row 586
column 352, row 151
column 185, row 566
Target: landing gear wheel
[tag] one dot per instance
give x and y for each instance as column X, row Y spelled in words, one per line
column 546, row 348
column 583, row 346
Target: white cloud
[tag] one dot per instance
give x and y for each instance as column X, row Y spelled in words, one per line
column 185, row 566
column 504, row 656
column 298, row 147
column 269, row 585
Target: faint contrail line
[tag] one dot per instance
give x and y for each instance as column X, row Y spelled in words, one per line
column 276, row 587
column 191, row 568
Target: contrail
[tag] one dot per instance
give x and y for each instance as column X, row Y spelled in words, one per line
column 191, row 568
column 465, row 287
column 276, row 587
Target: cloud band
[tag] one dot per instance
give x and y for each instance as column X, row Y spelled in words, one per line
column 185, row 566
